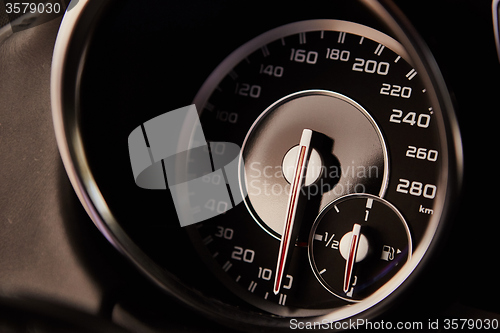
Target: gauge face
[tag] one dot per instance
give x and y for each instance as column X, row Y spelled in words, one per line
column 332, row 117
column 357, row 244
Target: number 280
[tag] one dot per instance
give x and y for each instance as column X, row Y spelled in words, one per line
column 416, row 188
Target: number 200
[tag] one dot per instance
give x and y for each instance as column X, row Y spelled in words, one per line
column 370, row 66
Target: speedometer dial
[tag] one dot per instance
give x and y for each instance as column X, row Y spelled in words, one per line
column 324, row 110
column 349, row 162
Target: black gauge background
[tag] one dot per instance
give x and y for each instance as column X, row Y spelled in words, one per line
column 131, row 77
column 336, row 77
column 150, row 57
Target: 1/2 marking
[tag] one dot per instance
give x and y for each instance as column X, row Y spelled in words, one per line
column 328, row 241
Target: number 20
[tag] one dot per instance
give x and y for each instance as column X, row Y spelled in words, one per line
column 246, row 255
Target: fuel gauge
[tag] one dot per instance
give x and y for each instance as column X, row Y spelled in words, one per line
column 357, row 244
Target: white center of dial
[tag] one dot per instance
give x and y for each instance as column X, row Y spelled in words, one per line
column 313, row 168
column 345, row 244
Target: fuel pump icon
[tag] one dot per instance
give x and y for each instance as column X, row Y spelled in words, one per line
column 387, row 253
column 170, row 151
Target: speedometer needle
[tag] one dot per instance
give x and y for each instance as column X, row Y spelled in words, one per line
column 298, row 181
column 353, row 249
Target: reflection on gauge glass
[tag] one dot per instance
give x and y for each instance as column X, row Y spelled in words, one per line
column 332, row 117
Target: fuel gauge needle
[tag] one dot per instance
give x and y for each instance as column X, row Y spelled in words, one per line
column 353, row 249
column 290, row 222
